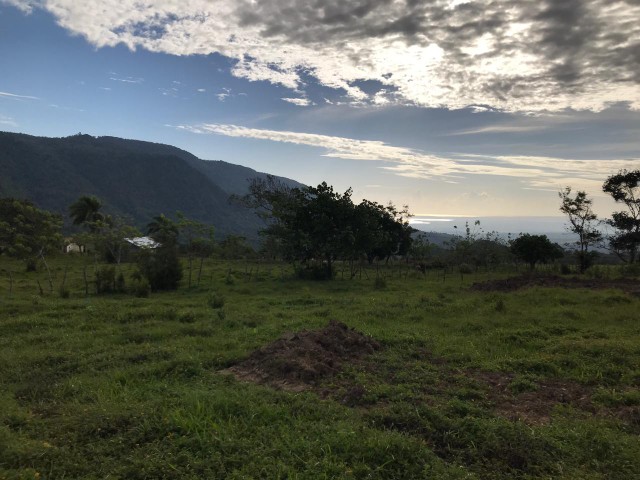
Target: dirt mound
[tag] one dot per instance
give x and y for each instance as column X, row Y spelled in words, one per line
column 528, row 281
column 298, row 361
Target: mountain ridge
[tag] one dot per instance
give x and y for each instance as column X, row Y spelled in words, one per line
column 134, row 178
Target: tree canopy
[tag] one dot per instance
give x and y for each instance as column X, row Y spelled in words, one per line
column 535, row 249
column 317, row 225
column 26, row 231
column 624, row 187
column 582, row 222
column 86, row 211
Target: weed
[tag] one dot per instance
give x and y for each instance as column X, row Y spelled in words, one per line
column 215, row 300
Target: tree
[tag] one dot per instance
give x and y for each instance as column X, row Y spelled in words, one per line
column 27, row 232
column 582, row 221
column 314, row 226
column 163, row 230
column 535, row 248
column 624, row 187
column 197, row 240
column 86, row 211
column 161, row 266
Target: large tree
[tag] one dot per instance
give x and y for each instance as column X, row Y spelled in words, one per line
column 582, row 222
column 315, row 226
column 535, row 249
column 624, row 187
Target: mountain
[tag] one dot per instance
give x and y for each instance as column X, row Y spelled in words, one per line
column 135, row 179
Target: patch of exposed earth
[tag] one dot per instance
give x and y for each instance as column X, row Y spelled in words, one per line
column 304, row 361
column 536, row 406
column 511, row 284
column 299, row 361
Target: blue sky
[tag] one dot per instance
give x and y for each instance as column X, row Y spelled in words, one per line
column 454, row 107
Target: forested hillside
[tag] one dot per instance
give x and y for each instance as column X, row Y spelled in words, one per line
column 133, row 178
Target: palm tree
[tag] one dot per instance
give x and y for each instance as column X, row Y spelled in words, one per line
column 86, row 211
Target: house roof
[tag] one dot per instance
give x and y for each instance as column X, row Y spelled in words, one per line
column 143, row 242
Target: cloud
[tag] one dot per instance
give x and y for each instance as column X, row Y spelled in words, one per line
column 501, row 129
column 535, row 172
column 25, row 5
column 127, row 79
column 508, row 54
column 7, row 121
column 301, row 102
column 17, row 97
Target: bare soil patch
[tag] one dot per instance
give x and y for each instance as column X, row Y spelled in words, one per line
column 299, row 361
column 527, row 281
column 533, row 407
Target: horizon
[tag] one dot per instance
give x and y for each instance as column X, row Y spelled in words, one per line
column 488, row 113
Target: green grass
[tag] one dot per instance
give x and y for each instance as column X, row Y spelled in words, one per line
column 124, row 387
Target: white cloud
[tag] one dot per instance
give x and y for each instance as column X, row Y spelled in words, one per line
column 7, row 121
column 17, row 97
column 501, row 129
column 507, row 54
column 301, row 102
column 127, row 79
column 25, row 5
column 534, row 171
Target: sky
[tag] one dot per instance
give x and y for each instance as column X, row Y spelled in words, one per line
column 456, row 108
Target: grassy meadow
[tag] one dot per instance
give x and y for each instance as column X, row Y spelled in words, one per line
column 537, row 383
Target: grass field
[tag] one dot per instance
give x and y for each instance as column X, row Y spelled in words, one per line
column 535, row 383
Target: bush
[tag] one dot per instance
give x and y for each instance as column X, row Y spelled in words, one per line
column 64, row 292
column 161, row 267
column 120, row 283
column 465, row 268
column 140, row 287
column 215, row 301
column 105, row 280
column 315, row 271
column 565, row 269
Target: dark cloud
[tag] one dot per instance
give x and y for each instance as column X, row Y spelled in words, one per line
column 578, row 43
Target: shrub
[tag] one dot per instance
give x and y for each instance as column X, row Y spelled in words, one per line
column 120, row 283
column 64, row 292
column 215, row 301
column 161, row 267
column 187, row 317
column 465, row 268
column 105, row 280
column 139, row 286
column 314, row 271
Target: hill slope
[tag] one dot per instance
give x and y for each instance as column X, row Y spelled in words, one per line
column 133, row 178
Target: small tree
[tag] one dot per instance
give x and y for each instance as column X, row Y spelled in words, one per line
column 197, row 240
column 107, row 236
column 624, row 187
column 27, row 232
column 535, row 249
column 582, row 222
column 161, row 266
